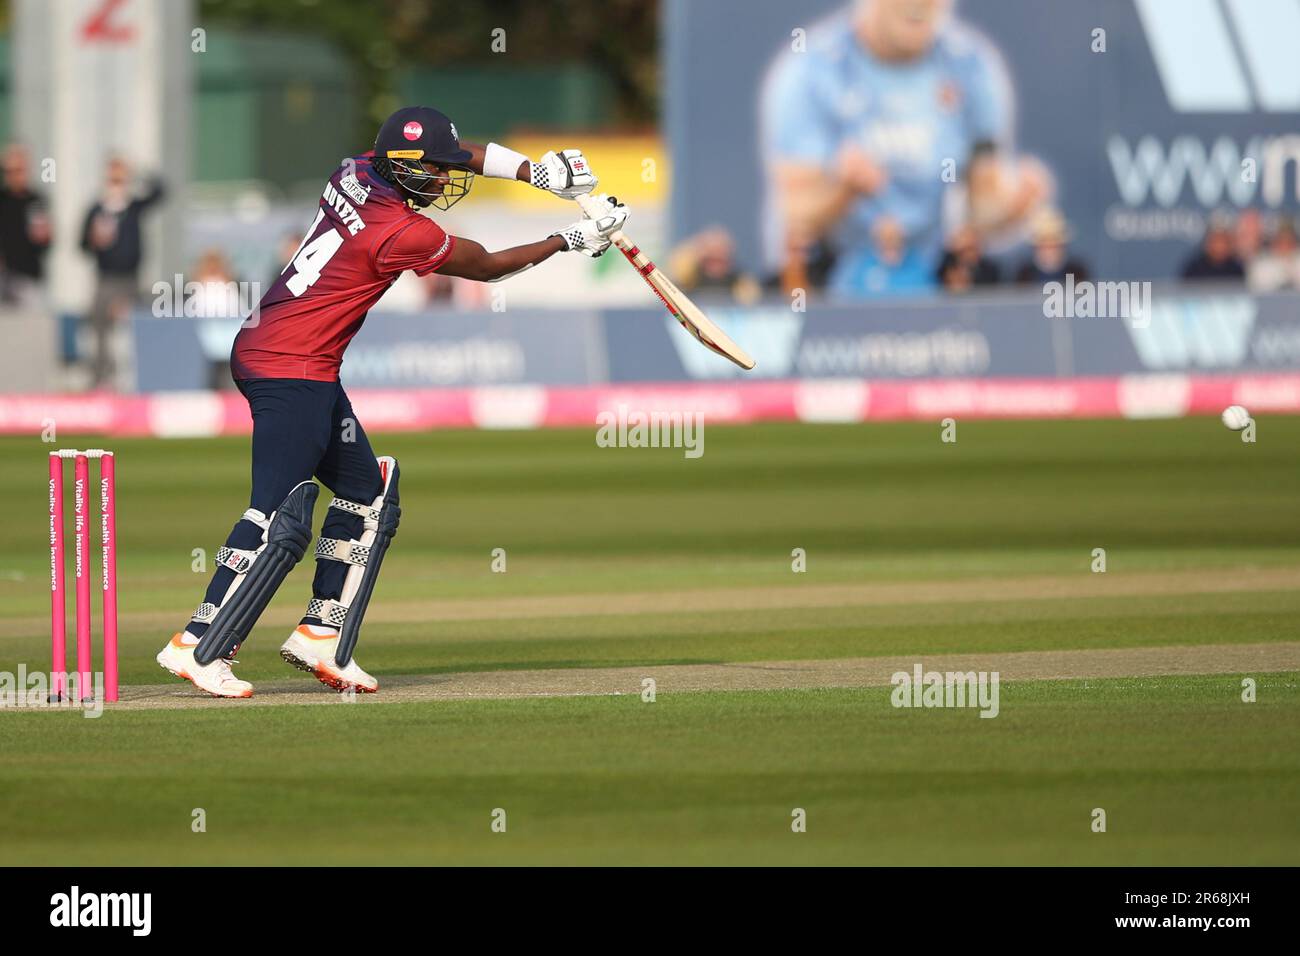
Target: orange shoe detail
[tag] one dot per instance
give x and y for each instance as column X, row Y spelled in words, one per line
column 305, row 631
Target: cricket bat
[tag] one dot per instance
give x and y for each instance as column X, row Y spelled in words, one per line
column 679, row 306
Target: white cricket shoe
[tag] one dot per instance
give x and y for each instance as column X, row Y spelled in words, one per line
column 314, row 653
column 215, row 678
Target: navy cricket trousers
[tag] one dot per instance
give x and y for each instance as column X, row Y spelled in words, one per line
column 303, row 429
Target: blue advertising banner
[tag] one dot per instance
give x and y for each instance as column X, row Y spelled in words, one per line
column 974, row 337
column 398, row 350
column 476, row 348
column 926, row 339
column 1201, row 330
column 1147, row 115
column 1205, row 331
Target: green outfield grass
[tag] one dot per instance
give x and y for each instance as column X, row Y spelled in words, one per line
column 1187, row 772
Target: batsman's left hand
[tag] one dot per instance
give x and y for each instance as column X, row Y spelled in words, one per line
column 613, row 216
column 566, row 174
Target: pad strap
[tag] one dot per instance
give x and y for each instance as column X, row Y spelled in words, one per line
column 236, row 559
column 327, row 612
column 284, row 542
column 368, row 512
column 345, row 552
column 205, row 613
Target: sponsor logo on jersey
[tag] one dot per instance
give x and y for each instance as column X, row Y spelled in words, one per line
column 442, row 249
column 356, row 192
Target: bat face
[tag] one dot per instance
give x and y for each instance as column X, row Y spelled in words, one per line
column 674, row 299
column 698, row 324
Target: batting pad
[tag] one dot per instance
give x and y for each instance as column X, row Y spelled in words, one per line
column 287, row 536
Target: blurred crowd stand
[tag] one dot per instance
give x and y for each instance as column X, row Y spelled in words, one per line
column 25, row 231
column 112, row 236
column 30, row 347
column 1248, row 246
column 45, row 351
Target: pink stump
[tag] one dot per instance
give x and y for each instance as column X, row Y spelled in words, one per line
column 108, row 528
column 81, row 530
column 58, row 600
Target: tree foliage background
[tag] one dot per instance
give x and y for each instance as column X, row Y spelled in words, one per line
column 619, row 38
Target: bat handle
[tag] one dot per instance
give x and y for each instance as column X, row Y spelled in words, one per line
column 591, row 208
column 594, row 210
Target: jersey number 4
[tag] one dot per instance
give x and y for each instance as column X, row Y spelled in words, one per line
column 311, row 255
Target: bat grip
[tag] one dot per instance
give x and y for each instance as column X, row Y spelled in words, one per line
column 588, row 205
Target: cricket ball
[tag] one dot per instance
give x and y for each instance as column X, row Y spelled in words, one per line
column 1235, row 417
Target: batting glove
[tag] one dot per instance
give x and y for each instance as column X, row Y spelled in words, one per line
column 565, row 174
column 591, row 236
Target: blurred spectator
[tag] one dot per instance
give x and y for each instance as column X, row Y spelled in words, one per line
column 24, row 228
column 1001, row 195
column 856, row 129
column 413, row 293
column 964, row 264
column 706, row 264
column 892, row 266
column 408, row 293
column 1217, row 257
column 1250, row 234
column 1050, row 261
column 217, row 295
column 289, row 244
column 1278, row 267
column 441, row 288
column 112, row 235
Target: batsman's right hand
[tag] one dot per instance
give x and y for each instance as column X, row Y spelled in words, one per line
column 590, row 236
column 567, row 174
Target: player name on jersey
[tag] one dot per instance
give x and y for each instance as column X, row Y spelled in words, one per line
column 350, row 217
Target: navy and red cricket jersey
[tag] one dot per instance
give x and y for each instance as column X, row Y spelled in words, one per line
column 363, row 238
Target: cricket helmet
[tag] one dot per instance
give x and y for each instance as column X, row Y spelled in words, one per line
column 416, row 135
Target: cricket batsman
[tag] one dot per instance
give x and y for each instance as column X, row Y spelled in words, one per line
column 286, row 362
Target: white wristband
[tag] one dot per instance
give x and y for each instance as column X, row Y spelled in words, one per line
column 500, row 162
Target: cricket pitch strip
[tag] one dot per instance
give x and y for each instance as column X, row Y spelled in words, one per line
column 863, row 672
